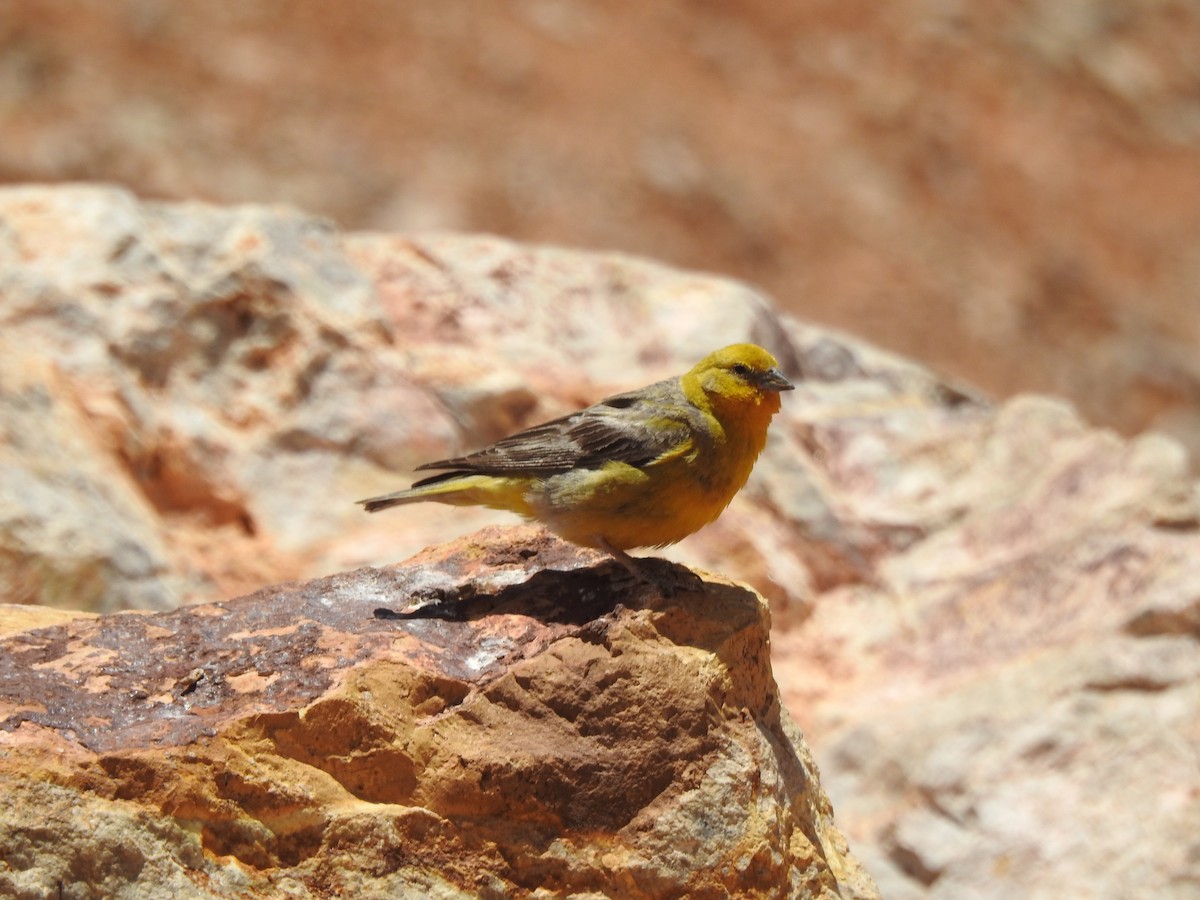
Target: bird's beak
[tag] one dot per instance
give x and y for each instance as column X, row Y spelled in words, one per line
column 774, row 380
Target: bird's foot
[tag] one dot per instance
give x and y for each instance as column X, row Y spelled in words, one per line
column 670, row 578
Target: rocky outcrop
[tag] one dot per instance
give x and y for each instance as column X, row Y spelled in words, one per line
column 1006, row 701
column 984, row 617
column 537, row 725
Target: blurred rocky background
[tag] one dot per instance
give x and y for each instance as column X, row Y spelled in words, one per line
column 1006, row 191
column 986, row 616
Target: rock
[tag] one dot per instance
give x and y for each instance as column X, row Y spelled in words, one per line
column 1009, row 694
column 24, row 617
column 985, row 616
column 557, row 735
column 184, row 368
column 72, row 532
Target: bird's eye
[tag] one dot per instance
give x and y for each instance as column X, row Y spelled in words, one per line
column 741, row 369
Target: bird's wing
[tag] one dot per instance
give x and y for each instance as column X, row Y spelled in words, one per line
column 633, row 428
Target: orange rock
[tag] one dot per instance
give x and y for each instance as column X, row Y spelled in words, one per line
column 545, row 724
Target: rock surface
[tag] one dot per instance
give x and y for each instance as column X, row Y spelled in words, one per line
column 562, row 733
column 985, row 617
column 1007, row 702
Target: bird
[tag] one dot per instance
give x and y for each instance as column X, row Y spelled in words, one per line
column 645, row 468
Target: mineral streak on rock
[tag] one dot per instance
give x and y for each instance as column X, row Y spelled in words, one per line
column 563, row 729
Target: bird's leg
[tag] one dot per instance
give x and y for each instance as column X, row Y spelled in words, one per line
column 628, row 563
column 639, row 570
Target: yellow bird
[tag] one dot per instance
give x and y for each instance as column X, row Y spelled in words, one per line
column 640, row 469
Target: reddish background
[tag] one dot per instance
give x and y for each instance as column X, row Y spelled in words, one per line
column 1007, row 191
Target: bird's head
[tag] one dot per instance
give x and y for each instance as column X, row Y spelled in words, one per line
column 740, row 374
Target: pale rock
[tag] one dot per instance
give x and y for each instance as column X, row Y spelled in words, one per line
column 1008, row 705
column 74, row 529
column 186, row 373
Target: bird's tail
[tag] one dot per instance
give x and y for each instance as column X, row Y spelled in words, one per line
column 375, row 504
column 456, row 489
column 425, row 489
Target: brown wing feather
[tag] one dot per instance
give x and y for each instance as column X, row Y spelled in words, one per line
column 633, row 428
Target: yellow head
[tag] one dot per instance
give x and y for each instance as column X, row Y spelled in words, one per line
column 740, row 375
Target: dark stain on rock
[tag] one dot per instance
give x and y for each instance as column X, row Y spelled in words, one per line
column 167, row 678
